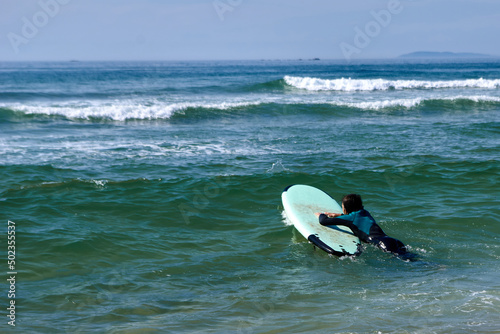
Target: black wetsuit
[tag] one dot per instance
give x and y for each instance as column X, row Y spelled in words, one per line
column 366, row 229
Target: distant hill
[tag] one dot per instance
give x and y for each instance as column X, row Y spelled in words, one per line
column 426, row 54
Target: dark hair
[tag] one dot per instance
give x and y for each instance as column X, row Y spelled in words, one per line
column 352, row 203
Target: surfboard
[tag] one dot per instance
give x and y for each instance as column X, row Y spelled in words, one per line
column 301, row 202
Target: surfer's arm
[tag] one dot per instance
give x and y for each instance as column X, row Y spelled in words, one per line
column 332, row 215
column 328, row 214
column 325, row 221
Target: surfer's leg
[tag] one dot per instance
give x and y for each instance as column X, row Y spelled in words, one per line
column 388, row 244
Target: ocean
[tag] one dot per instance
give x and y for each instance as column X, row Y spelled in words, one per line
column 145, row 197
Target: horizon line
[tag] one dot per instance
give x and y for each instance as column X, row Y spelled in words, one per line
column 400, row 57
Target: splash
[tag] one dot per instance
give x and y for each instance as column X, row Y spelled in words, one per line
column 277, row 167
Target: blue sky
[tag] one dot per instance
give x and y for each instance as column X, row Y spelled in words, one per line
column 243, row 29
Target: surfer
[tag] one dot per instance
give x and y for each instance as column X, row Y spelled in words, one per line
column 362, row 224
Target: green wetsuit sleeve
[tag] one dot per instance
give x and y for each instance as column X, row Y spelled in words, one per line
column 325, row 221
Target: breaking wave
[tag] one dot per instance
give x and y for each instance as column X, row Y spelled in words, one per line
column 349, row 85
column 154, row 110
column 121, row 111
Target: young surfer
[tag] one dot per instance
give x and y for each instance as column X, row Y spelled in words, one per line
column 362, row 224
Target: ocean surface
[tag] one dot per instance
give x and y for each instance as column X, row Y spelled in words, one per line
column 146, row 196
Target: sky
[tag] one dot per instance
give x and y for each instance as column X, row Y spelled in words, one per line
column 44, row 30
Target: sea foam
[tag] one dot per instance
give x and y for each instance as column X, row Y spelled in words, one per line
column 157, row 110
column 349, row 85
column 122, row 111
column 415, row 102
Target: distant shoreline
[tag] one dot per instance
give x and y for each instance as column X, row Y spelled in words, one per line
column 433, row 55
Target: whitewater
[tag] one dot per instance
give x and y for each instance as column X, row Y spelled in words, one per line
column 349, row 85
column 347, row 93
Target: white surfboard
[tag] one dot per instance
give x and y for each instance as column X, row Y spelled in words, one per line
column 301, row 202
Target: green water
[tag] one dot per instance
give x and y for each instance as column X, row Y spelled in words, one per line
column 159, row 209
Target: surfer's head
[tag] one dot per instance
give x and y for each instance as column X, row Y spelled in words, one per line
column 352, row 203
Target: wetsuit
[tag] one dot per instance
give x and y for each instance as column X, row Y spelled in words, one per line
column 366, row 229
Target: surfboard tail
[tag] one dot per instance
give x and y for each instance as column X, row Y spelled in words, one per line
column 316, row 241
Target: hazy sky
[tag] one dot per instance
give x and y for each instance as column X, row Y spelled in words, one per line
column 243, row 29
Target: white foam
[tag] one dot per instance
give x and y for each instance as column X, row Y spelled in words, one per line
column 285, row 219
column 121, row 111
column 118, row 110
column 411, row 103
column 349, row 85
column 377, row 105
column 100, row 183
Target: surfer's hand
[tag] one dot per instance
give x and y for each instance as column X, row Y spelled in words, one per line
column 317, row 214
column 332, row 215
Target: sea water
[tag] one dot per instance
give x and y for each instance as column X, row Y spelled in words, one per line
column 146, row 196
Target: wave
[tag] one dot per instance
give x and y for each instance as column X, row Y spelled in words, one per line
column 269, row 86
column 154, row 110
column 119, row 111
column 349, row 85
column 455, row 102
